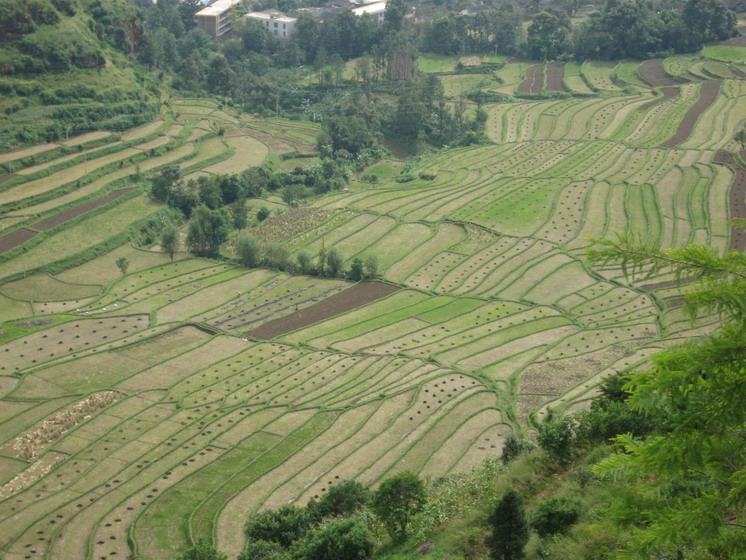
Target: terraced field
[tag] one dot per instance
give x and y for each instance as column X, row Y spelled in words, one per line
column 140, row 412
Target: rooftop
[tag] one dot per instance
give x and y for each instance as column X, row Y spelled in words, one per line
column 373, row 8
column 218, row 7
column 274, row 15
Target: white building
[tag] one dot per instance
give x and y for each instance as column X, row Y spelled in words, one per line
column 375, row 9
column 215, row 19
column 275, row 22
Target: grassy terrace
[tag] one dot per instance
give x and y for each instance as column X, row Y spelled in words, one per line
column 498, row 316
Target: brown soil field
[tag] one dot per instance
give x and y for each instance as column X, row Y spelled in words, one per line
column 7, row 242
column 75, row 211
column 668, row 93
column 7, row 177
column 351, row 298
column 707, row 96
column 555, row 77
column 737, row 199
column 653, row 73
column 534, row 80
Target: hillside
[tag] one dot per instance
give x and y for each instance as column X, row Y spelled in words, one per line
column 59, row 76
column 212, row 314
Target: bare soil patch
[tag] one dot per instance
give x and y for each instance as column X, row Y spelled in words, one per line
column 75, row 211
column 556, row 77
column 351, row 298
column 707, row 96
column 737, row 199
column 14, row 239
column 653, row 73
column 534, row 80
column 8, row 177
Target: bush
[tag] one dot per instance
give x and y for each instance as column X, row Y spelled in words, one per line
column 283, row 526
column 555, row 515
column 248, row 250
column 397, row 500
column 202, row 551
column 277, row 256
column 263, row 550
column 342, row 500
column 558, row 438
column 340, row 539
column 509, row 528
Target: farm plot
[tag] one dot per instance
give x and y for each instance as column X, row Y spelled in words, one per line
column 225, row 390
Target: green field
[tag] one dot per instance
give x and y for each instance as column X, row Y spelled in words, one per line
column 193, row 423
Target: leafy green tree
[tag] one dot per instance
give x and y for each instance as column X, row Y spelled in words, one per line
column 684, row 485
column 277, row 255
column 342, row 500
column 208, row 230
column 262, row 214
column 558, row 437
column 163, row 184
column 304, row 262
column 548, row 36
column 240, row 214
column 741, row 137
column 334, row 262
column 123, row 264
column 293, row 194
column 264, row 550
column 338, row 539
column 710, row 19
column 555, row 514
column 170, row 241
column 512, row 448
column 370, row 266
column 283, row 526
column 321, row 260
column 397, row 500
column 202, row 551
column 509, row 528
column 248, row 249
column 356, row 269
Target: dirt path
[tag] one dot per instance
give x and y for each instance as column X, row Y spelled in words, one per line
column 707, row 96
column 351, row 298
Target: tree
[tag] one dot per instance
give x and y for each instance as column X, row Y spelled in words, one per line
column 283, row 526
column 342, row 500
column 321, row 258
column 264, row 550
column 741, row 137
column 548, row 36
column 277, row 255
column 509, row 528
column 123, row 264
column 164, row 183
column 262, row 214
column 555, row 515
column 334, row 262
column 170, row 241
column 248, row 249
column 208, row 230
column 240, row 214
column 557, row 436
column 356, row 270
column 397, row 500
column 202, row 551
column 710, row 20
column 683, row 485
column 304, row 262
column 338, row 539
column 370, row 266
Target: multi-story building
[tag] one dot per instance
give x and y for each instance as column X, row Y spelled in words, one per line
column 215, row 19
column 375, row 9
column 275, row 22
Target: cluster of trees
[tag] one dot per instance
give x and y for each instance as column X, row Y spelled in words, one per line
column 252, row 252
column 343, row 524
column 617, row 29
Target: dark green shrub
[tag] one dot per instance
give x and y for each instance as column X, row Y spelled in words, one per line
column 339, row 539
column 555, row 515
column 283, row 526
column 341, row 500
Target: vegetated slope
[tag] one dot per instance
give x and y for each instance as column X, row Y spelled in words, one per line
column 498, row 315
column 60, row 75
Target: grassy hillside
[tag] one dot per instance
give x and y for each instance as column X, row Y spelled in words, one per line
column 59, row 76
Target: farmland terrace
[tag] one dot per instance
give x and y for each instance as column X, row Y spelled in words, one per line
column 139, row 412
